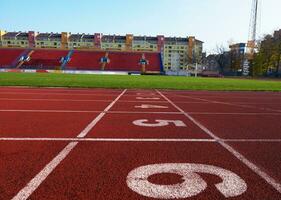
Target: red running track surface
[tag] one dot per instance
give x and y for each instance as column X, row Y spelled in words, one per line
column 233, row 135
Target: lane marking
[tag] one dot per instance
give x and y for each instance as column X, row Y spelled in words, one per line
column 78, row 100
column 137, row 180
column 227, row 97
column 31, row 186
column 53, row 93
column 58, row 89
column 86, row 100
column 110, row 139
column 137, row 112
column 44, row 173
column 136, row 139
column 64, row 100
column 271, row 181
column 53, row 111
column 236, row 105
column 95, row 121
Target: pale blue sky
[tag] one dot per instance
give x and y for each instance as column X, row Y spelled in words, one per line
column 212, row 21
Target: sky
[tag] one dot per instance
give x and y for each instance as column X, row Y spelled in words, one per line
column 215, row 22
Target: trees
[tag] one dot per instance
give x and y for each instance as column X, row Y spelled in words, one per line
column 222, row 58
column 268, row 59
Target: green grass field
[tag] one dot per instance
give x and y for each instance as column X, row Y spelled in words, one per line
column 149, row 82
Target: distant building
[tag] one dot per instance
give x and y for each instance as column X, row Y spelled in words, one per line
column 237, row 56
column 177, row 52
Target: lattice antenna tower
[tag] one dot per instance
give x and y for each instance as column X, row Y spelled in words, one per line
column 252, row 42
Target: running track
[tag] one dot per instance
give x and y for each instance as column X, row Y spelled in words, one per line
column 139, row 144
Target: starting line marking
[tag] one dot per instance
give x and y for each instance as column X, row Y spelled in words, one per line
column 271, row 181
column 136, row 112
column 31, row 186
column 137, row 139
column 236, row 105
column 110, row 139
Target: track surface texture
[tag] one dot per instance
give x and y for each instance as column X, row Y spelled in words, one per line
column 108, row 144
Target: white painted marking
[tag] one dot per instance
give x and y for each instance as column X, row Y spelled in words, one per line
column 98, row 118
column 147, row 98
column 147, row 106
column 138, row 140
column 271, row 181
column 110, row 139
column 237, row 105
column 62, row 94
column 135, row 112
column 143, row 122
column 137, row 180
column 64, row 100
column 146, row 94
column 44, row 173
column 53, row 111
column 24, row 193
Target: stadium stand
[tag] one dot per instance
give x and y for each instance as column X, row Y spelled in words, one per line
column 9, row 56
column 85, row 60
column 80, row 60
column 46, row 59
column 124, row 61
column 155, row 63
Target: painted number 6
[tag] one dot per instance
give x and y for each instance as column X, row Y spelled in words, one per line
column 159, row 123
column 231, row 184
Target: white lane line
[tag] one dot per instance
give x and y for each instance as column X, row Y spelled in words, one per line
column 271, row 181
column 110, row 139
column 64, row 100
column 236, row 105
column 44, row 173
column 230, row 113
column 57, row 89
column 81, row 100
column 72, row 94
column 137, row 112
column 52, row 93
column 138, row 140
column 53, row 111
column 251, row 140
column 92, row 111
column 261, row 96
column 24, row 193
column 98, row 118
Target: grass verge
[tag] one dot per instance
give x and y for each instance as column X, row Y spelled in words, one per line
column 145, row 82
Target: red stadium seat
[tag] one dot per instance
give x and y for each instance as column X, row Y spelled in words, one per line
column 9, row 56
column 80, row 60
column 85, row 60
column 47, row 59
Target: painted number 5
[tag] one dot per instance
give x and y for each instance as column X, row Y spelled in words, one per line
column 159, row 123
